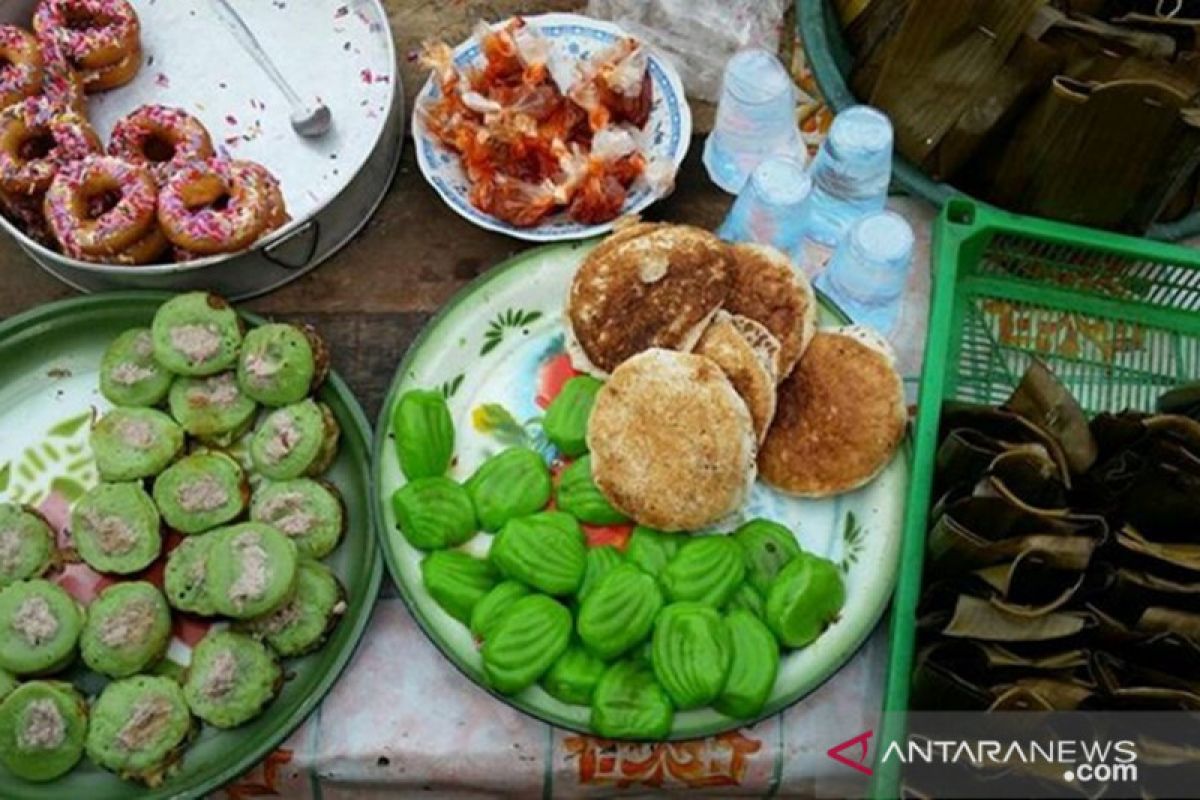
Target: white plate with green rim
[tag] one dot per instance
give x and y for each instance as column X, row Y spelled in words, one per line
column 489, row 351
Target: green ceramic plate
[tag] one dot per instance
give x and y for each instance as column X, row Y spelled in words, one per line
column 490, row 351
column 49, row 361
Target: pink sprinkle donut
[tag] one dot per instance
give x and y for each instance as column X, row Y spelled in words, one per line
column 150, row 249
column 101, row 206
column 21, row 75
column 36, row 138
column 26, row 213
column 93, row 33
column 161, row 137
column 214, row 206
column 61, row 83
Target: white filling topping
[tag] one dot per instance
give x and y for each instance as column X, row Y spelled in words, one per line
column 252, row 579
column 205, row 494
column 137, row 433
column 128, row 373
column 219, row 390
column 197, row 343
column 284, row 436
column 222, row 674
column 150, row 715
column 261, row 366
column 43, row 727
column 143, row 345
column 130, row 625
column 287, row 513
column 35, row 621
column 10, row 550
column 281, row 619
column 113, row 534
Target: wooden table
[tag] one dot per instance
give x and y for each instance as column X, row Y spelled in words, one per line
column 372, row 298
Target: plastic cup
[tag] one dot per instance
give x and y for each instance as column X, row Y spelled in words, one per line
column 869, row 270
column 756, row 119
column 772, row 206
column 851, row 172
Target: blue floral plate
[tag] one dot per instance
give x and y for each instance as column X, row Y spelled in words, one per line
column 669, row 129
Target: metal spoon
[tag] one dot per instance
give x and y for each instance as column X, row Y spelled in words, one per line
column 310, row 120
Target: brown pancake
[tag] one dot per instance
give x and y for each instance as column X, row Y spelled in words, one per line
column 647, row 286
column 768, row 289
column 841, row 416
column 747, row 352
column 672, row 443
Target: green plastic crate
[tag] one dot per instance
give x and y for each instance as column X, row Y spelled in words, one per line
column 1117, row 318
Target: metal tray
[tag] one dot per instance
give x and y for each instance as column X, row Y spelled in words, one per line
column 338, row 50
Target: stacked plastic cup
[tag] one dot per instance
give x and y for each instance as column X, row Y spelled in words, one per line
column 756, row 119
column 772, row 206
column 869, row 270
column 850, row 173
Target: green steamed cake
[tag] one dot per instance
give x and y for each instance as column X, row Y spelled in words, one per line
column 42, row 728
column 309, row 512
column 196, row 334
column 201, row 491
column 39, row 627
column 27, row 545
column 139, row 728
column 132, row 443
column 127, row 630
column 231, row 679
column 115, row 527
column 129, row 374
column 212, row 409
column 293, row 441
column 281, row 364
column 251, row 569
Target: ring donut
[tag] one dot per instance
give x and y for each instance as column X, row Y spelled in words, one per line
column 100, row 206
column 161, row 137
column 94, row 34
column 36, row 139
column 215, row 206
column 21, row 75
column 104, row 78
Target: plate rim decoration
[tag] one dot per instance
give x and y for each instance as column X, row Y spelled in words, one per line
column 827, row 666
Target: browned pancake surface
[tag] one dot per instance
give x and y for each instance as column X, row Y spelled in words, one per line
column 767, row 289
column 647, row 286
column 840, row 418
column 746, row 351
column 672, row 444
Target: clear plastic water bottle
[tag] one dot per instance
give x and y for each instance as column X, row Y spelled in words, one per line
column 850, row 174
column 772, row 206
column 756, row 119
column 869, row 270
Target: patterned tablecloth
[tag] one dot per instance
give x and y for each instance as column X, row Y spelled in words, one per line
column 403, row 719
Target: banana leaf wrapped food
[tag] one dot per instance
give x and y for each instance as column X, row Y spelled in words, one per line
column 1063, row 557
column 1037, row 105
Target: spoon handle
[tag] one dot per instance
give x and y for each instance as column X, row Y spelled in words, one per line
column 249, row 42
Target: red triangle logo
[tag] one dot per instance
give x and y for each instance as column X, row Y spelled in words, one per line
column 854, row 760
